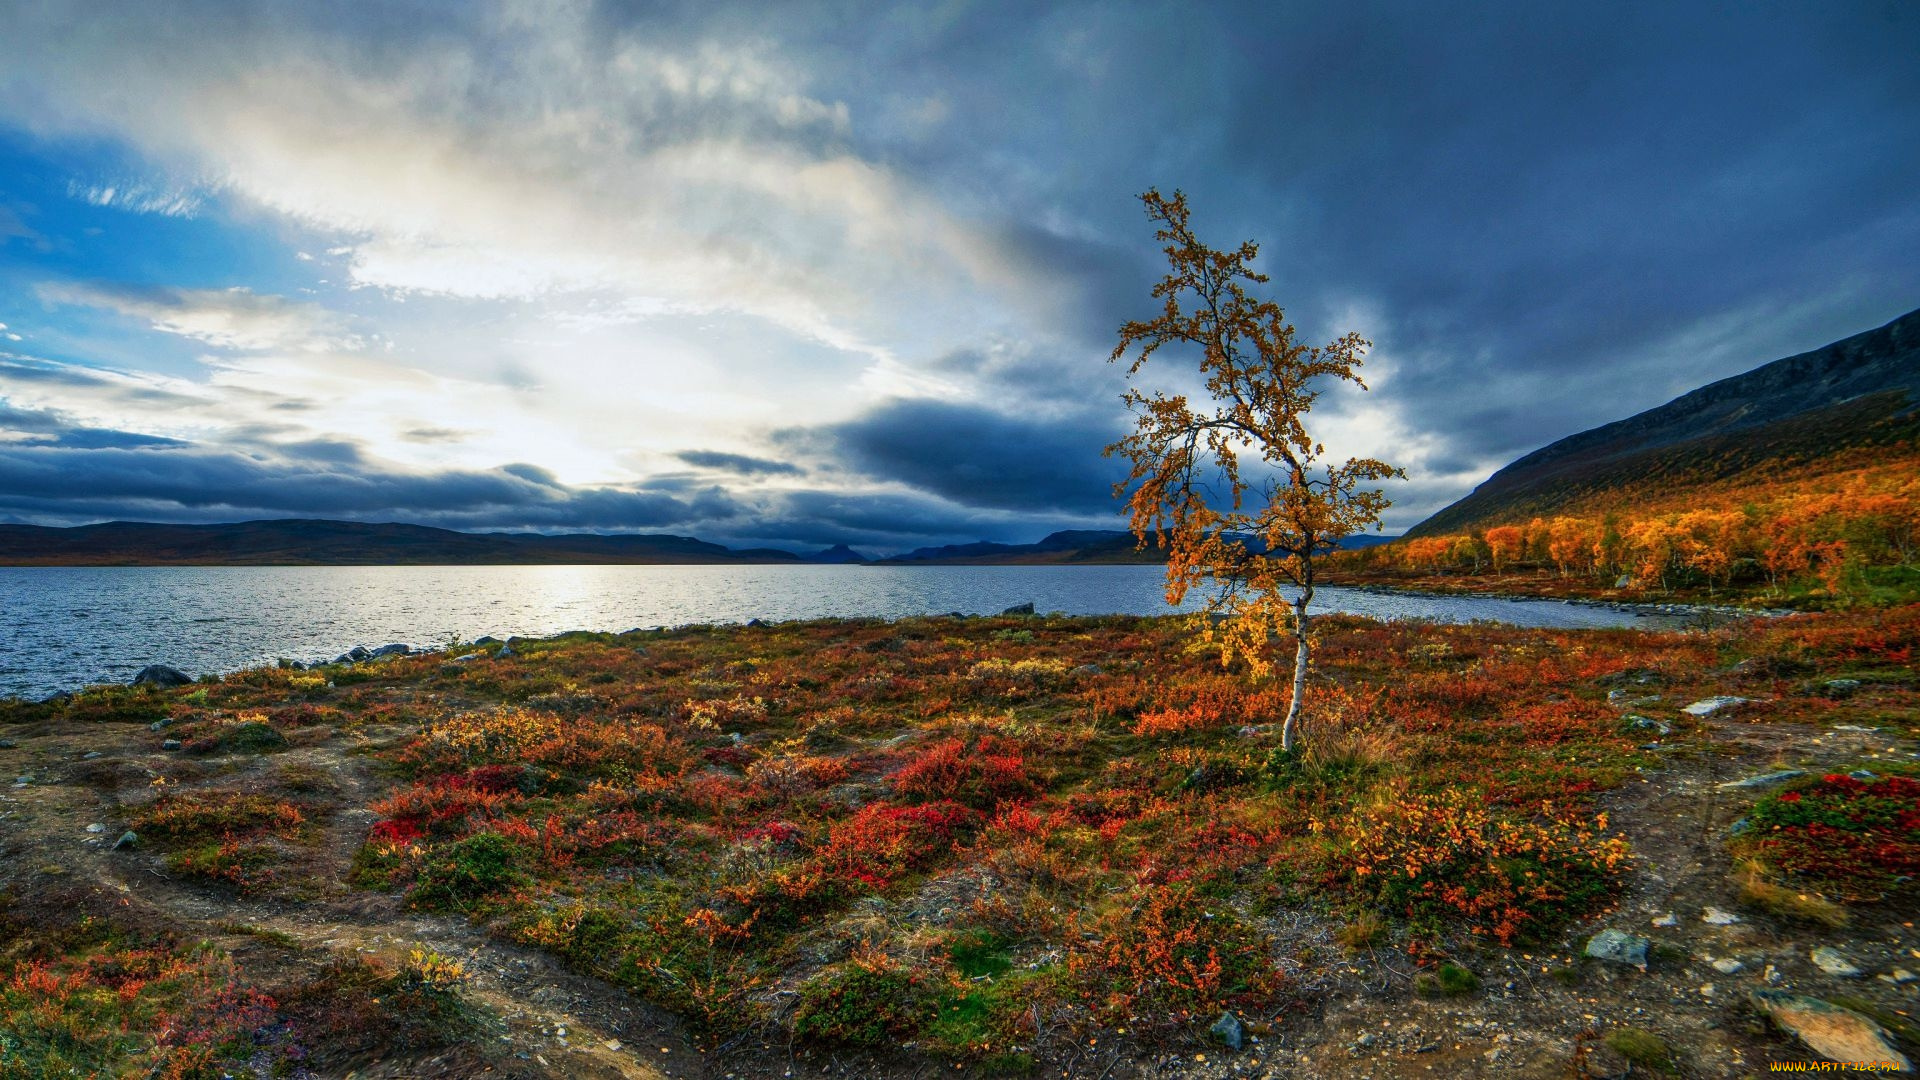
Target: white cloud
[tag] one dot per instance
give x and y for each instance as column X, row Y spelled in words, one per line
column 229, row 318
column 139, row 198
column 540, row 152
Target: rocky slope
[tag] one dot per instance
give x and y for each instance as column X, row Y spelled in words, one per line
column 1791, row 413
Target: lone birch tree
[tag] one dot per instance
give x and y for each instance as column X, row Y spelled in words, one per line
column 1234, row 487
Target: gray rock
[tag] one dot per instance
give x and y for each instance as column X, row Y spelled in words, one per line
column 756, row 622
column 504, row 652
column 395, row 649
column 1862, row 775
column 1636, row 722
column 127, row 840
column 1740, row 828
column 1228, row 1029
column 91, row 755
column 1020, row 609
column 1709, row 706
column 1842, row 686
column 161, row 724
column 1764, row 781
column 170, row 744
column 1619, row 947
column 1668, row 919
column 1726, row 965
column 1834, row 1033
column 162, row 676
column 1834, row 962
column 1624, row 581
column 7, row 744
column 96, row 827
column 1087, row 670
column 1713, row 916
column 469, row 658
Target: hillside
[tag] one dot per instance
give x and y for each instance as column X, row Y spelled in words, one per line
column 328, row 543
column 1787, row 417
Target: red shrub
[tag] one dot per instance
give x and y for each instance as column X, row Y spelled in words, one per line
column 980, row 776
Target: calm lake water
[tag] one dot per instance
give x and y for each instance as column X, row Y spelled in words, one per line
column 66, row 627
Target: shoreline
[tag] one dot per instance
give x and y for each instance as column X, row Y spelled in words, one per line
column 488, row 641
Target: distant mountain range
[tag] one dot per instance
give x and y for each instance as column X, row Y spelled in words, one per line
column 1860, row 392
column 347, row 543
column 304, row 542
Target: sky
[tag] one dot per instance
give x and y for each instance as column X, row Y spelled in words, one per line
column 805, row 274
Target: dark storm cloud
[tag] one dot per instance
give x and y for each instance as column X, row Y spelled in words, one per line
column 1545, row 216
column 743, row 464
column 885, row 522
column 1570, row 213
column 976, row 457
column 87, row 475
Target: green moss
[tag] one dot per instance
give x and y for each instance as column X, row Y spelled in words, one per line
column 863, row 1003
column 475, row 868
column 1642, row 1047
column 979, row 953
column 1447, row 980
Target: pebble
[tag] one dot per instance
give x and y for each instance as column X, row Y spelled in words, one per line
column 1713, row 916
column 1668, row 919
column 1765, row 780
column 96, row 827
column 1726, row 965
column 1709, row 706
column 1834, row 962
column 1619, row 947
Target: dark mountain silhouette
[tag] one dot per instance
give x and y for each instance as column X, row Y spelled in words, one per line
column 310, row 542
column 1859, row 392
column 838, row 554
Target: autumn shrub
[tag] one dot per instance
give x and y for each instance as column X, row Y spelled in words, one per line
column 245, row 865
column 1170, row 956
column 979, row 774
column 441, row 807
column 867, row 1001
column 881, row 843
column 467, row 871
column 247, row 735
column 359, row 1005
column 124, row 1010
column 192, row 815
column 1435, row 859
column 1854, row 840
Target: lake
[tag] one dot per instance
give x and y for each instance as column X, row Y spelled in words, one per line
column 67, row 627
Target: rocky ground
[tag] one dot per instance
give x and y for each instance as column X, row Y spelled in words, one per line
column 1361, row 1013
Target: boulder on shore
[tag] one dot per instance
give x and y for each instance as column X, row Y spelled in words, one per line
column 162, row 676
column 1020, row 609
column 1619, row 947
column 1834, row 1033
